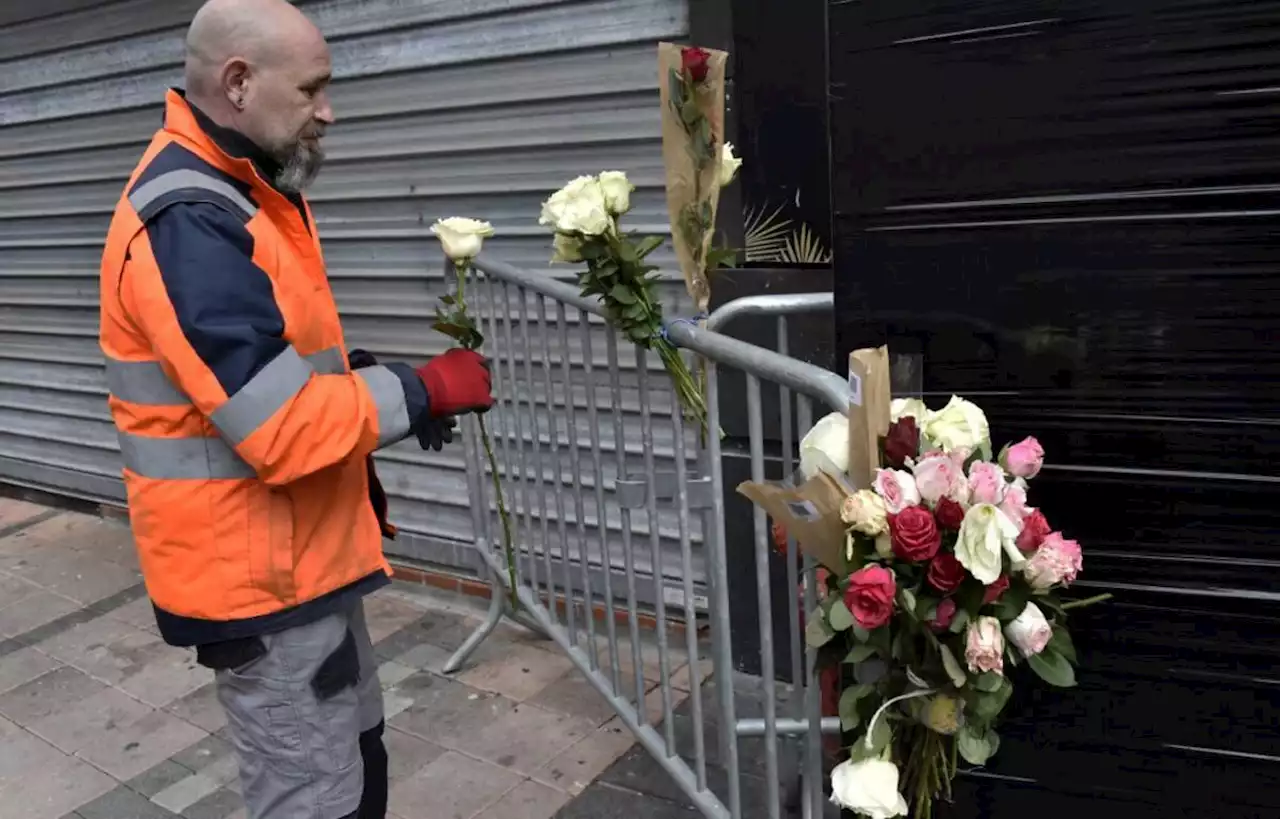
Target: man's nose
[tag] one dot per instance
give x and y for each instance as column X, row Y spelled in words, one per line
column 324, row 110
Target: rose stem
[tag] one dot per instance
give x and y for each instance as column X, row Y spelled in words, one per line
column 508, row 550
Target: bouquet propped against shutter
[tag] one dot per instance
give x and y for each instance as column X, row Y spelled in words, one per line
column 945, row 592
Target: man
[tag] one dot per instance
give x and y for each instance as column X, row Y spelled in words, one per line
column 244, row 431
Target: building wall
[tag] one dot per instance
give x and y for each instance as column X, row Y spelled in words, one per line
column 476, row 107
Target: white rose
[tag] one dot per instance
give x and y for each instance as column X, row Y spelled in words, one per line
column 900, row 408
column 729, row 164
column 898, row 489
column 985, row 535
column 567, row 248
column 958, row 425
column 865, row 512
column 617, row 191
column 1029, row 631
column 825, row 448
column 868, row 787
column 578, row 207
column 461, row 237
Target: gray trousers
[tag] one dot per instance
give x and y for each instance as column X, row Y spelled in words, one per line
column 306, row 717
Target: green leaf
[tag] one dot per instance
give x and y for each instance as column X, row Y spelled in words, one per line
column 860, row 654
column 639, row 333
column 675, row 87
column 647, row 245
column 449, row 298
column 1053, row 668
column 466, row 336
column 1062, row 644
column 860, row 634
column 953, row 667
column 976, row 745
column 849, row 717
column 622, row 294
column 908, row 599
column 880, row 739
column 969, row 597
column 960, row 621
column 926, row 608
column 987, row 705
column 839, row 617
column 816, row 631
column 989, row 682
column 689, row 112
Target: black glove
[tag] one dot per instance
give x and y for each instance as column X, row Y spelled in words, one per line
column 434, row 433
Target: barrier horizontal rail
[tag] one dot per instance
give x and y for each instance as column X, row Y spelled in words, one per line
column 597, row 522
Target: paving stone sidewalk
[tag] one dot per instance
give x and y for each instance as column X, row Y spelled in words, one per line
column 99, row 719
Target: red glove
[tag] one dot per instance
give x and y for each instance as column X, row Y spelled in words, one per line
column 457, row 382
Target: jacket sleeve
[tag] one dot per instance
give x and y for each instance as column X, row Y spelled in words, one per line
column 211, row 314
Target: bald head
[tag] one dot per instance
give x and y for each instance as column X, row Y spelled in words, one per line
column 262, row 68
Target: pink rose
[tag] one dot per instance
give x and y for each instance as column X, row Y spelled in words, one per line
column 1025, row 458
column 897, row 489
column 937, row 476
column 870, row 596
column 1029, row 632
column 986, row 483
column 984, row 646
column 1058, row 561
column 1014, row 504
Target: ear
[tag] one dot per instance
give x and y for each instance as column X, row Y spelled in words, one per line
column 236, row 76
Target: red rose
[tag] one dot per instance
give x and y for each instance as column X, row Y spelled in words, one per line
column 945, row 573
column 1034, row 530
column 996, row 589
column 915, row 534
column 693, row 61
column 901, row 442
column 779, row 537
column 949, row 514
column 945, row 614
column 870, row 596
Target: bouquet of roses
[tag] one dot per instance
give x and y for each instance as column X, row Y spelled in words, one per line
column 950, row 581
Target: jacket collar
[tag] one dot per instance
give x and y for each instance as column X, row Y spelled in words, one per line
column 231, row 149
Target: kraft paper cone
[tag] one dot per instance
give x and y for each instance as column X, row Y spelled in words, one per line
column 684, row 187
column 810, row 513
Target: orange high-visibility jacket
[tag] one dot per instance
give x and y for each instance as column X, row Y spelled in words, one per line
column 243, row 431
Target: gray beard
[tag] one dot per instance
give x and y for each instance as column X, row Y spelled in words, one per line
column 299, row 168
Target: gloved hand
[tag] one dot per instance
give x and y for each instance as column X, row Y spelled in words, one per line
column 457, row 382
column 434, row 433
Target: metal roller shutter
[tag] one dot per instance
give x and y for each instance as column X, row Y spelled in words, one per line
column 480, row 108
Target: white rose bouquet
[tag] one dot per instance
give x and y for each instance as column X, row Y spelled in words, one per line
column 950, row 581
column 585, row 215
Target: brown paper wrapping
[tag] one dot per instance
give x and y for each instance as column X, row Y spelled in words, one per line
column 810, row 513
column 681, row 183
column 868, row 412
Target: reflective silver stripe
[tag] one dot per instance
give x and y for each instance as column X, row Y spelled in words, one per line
column 328, row 362
column 143, row 382
column 264, row 395
column 182, row 458
column 188, row 180
column 388, row 394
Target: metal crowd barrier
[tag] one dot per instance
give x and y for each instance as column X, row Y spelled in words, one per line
column 588, row 520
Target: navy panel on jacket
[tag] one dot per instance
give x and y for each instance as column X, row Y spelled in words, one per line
column 224, row 302
column 415, row 393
